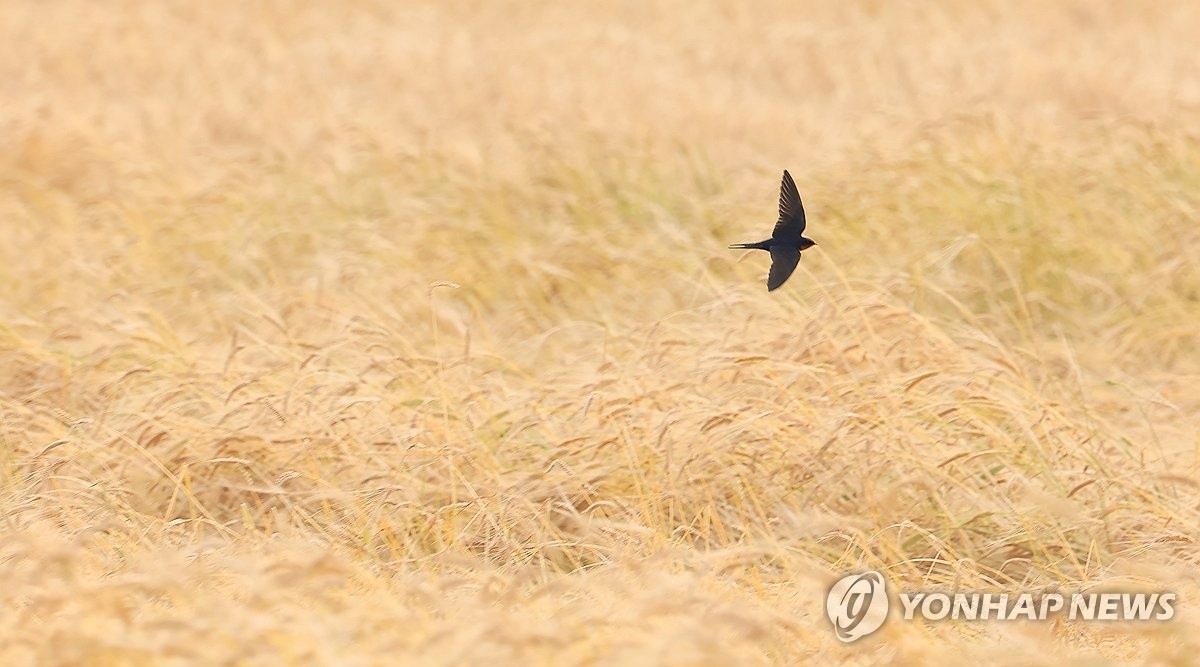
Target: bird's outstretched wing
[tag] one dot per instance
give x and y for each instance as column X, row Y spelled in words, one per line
column 791, row 211
column 783, row 262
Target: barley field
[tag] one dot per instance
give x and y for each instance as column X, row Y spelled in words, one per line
column 382, row 333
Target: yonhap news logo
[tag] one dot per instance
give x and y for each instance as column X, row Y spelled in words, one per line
column 857, row 605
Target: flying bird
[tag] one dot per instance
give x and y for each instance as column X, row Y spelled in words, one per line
column 787, row 239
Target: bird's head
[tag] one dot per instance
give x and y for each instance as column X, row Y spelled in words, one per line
column 806, row 243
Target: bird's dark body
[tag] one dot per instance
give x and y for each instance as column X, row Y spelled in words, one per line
column 787, row 239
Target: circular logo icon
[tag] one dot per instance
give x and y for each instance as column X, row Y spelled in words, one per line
column 857, row 605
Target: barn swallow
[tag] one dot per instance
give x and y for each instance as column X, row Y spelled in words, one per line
column 787, row 240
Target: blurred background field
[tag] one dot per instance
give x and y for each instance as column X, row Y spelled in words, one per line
column 405, row 333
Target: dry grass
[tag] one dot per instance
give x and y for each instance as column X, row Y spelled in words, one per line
column 406, row 333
